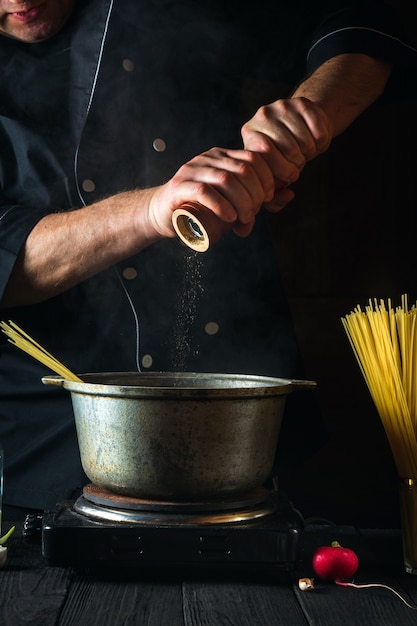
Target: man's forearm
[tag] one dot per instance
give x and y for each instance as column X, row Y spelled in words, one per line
column 66, row 248
column 345, row 86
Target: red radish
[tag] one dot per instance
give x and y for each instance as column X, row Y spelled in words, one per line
column 334, row 562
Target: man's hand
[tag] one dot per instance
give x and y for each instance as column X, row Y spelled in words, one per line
column 233, row 184
column 287, row 134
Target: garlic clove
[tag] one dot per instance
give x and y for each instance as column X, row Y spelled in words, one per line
column 306, row 584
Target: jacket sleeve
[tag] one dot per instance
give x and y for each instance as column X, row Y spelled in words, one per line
column 16, row 222
column 370, row 28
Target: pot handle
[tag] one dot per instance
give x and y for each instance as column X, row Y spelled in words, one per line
column 301, row 385
column 58, row 381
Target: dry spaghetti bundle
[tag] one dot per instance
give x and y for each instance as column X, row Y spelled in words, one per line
column 22, row 340
column 384, row 341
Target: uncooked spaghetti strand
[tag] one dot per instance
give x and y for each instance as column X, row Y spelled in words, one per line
column 23, row 341
column 411, row 367
column 402, row 322
column 412, row 377
column 406, row 329
column 406, row 352
column 380, row 331
column 394, row 336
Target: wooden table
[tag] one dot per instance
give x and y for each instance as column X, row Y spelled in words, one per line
column 32, row 592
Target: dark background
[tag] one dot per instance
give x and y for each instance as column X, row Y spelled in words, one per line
column 350, row 235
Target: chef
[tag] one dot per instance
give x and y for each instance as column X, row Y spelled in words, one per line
column 111, row 112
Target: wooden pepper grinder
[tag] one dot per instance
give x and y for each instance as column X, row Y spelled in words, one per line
column 198, row 227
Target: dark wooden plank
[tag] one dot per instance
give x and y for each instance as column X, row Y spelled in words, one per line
column 31, row 593
column 106, row 600
column 241, row 604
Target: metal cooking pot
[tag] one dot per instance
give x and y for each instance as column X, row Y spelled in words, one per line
column 178, row 436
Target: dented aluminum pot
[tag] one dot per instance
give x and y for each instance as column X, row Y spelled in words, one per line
column 178, row 436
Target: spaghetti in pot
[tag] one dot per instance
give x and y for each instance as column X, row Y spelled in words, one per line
column 22, row 340
column 384, row 341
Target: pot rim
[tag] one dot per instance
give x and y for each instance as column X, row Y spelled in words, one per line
column 179, row 385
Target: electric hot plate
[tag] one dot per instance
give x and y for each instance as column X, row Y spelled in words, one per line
column 259, row 528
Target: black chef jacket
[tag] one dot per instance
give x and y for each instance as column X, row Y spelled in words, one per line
column 120, row 98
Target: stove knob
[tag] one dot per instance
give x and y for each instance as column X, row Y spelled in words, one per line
column 32, row 528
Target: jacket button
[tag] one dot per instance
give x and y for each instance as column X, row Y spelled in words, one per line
column 159, row 145
column 88, row 185
column 147, row 360
column 211, row 328
column 128, row 65
column 129, row 273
